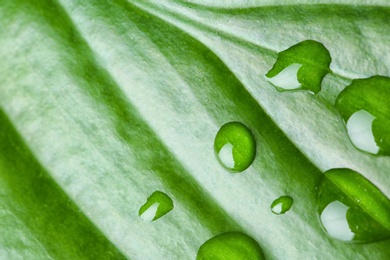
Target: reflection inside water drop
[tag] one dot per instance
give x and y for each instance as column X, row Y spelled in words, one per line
column 359, row 127
column 149, row 214
column 287, row 79
column 334, row 220
column 277, row 209
column 226, row 155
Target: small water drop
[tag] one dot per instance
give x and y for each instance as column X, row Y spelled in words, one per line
column 235, row 146
column 351, row 208
column 281, row 205
column 230, row 245
column 157, row 205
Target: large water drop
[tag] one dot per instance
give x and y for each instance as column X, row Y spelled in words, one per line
column 230, row 246
column 302, row 66
column 364, row 107
column 351, row 208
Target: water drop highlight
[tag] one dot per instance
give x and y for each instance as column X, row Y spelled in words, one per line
column 302, row 66
column 287, row 79
column 230, row 245
column 157, row 205
column 335, row 222
column 351, row 208
column 359, row 128
column 364, row 107
column 281, row 205
column 235, row 147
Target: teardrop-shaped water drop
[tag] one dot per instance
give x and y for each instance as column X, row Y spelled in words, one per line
column 351, row 208
column 281, row 205
column 230, row 245
column 157, row 205
column 235, row 146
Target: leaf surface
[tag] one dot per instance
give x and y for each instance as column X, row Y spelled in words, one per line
column 115, row 100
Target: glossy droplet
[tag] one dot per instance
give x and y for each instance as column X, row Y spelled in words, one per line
column 364, row 107
column 351, row 208
column 229, row 246
column 157, row 205
column 302, row 66
column 235, row 147
column 282, row 205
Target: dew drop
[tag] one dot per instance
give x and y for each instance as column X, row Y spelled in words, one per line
column 235, row 147
column 364, row 107
column 281, row 205
column 302, row 66
column 157, row 205
column 351, row 208
column 230, row 245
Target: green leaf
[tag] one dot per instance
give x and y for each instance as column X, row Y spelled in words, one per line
column 37, row 218
column 110, row 101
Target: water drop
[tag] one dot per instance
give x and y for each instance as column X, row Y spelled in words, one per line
column 235, row 147
column 157, row 205
column 302, row 66
column 364, row 108
column 230, row 245
column 281, row 205
column 351, row 208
